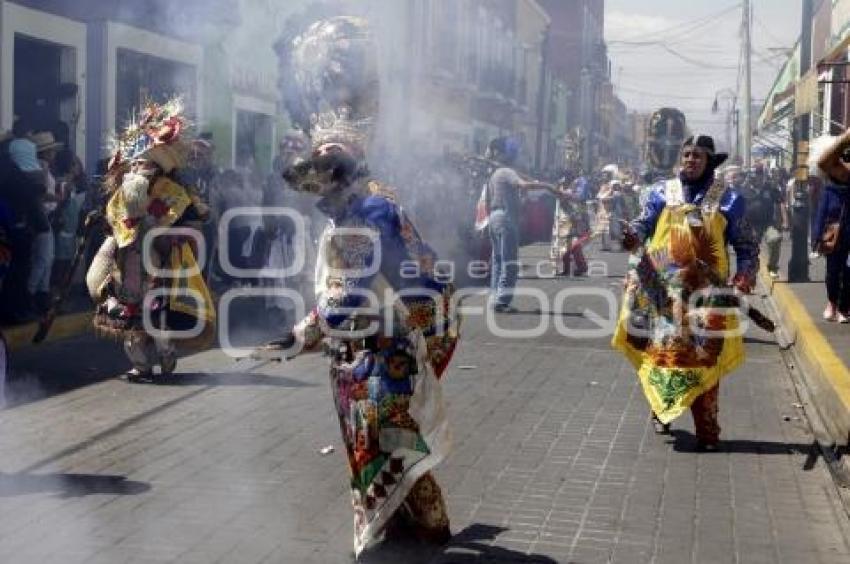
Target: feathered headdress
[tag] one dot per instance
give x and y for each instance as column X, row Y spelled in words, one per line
column 156, row 134
column 335, row 70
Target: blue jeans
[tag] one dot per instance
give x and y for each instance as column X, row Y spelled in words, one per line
column 503, row 266
column 42, row 263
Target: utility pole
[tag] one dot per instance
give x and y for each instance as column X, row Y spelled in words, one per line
column 587, row 97
column 748, row 86
column 736, row 117
column 542, row 99
column 798, row 266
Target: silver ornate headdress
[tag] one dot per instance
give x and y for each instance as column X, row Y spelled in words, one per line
column 335, row 70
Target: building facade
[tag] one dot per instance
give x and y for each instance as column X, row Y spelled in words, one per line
column 82, row 67
column 477, row 71
column 577, row 56
column 821, row 94
column 455, row 73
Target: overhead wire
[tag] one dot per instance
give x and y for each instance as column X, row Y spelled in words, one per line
column 672, row 96
column 665, row 39
column 766, row 30
column 697, row 62
column 682, row 34
column 682, row 29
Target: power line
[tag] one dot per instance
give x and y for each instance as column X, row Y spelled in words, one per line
column 767, row 32
column 651, row 76
column 684, row 28
column 696, row 62
column 624, row 46
column 664, row 94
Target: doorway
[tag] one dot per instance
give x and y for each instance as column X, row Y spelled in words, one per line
column 45, row 94
column 253, row 140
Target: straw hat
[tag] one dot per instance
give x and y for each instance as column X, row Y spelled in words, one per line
column 44, row 141
column 167, row 157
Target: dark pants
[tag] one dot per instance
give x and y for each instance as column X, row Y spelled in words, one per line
column 576, row 254
column 704, row 411
column 838, row 279
column 14, row 300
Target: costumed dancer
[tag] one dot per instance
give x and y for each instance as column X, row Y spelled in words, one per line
column 143, row 195
column 570, row 230
column 665, row 135
column 670, row 327
column 605, row 212
column 386, row 384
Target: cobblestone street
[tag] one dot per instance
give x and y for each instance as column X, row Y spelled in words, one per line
column 554, row 460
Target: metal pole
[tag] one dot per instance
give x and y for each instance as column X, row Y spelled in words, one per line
column 729, row 120
column 798, row 266
column 586, row 93
column 737, row 132
column 748, row 87
column 541, row 98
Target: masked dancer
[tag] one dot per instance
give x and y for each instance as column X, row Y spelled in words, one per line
column 139, row 273
column 673, row 329
column 665, row 134
column 570, row 230
column 387, row 358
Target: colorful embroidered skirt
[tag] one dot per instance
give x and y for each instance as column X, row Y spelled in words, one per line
column 393, row 424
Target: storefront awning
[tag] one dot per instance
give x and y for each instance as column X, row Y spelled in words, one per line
column 783, row 88
column 837, row 54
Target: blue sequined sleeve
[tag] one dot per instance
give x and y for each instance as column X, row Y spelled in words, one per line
column 644, row 225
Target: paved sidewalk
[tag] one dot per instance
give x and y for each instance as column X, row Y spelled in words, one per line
column 75, row 319
column 554, row 461
column 821, row 346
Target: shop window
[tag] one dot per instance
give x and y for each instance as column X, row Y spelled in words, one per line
column 142, row 77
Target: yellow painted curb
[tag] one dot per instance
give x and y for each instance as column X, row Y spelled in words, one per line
column 812, row 345
column 65, row 326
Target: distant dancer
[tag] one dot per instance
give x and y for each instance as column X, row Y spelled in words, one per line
column 570, row 231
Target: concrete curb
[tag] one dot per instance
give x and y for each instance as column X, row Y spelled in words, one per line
column 826, row 377
column 65, row 326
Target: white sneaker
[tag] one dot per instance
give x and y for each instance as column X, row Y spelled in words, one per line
column 844, row 318
column 138, row 375
column 773, row 274
column 830, row 313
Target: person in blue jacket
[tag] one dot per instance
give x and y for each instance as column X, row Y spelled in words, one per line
column 831, row 227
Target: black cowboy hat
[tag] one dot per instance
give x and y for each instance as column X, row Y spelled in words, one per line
column 706, row 142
